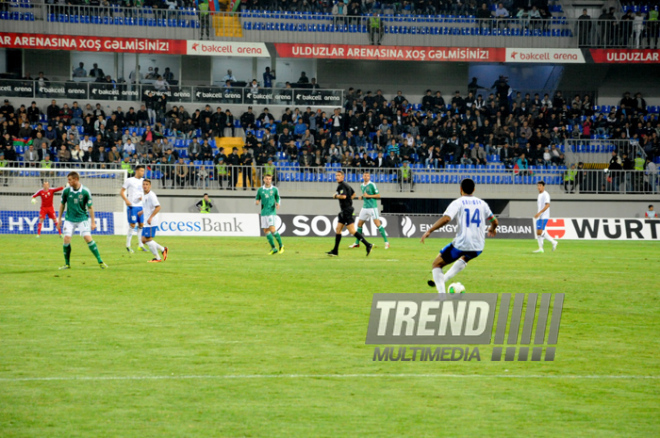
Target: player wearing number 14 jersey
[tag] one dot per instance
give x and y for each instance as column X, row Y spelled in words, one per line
column 471, row 215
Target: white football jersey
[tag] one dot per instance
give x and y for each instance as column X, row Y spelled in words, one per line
column 149, row 204
column 544, row 198
column 134, row 190
column 472, row 215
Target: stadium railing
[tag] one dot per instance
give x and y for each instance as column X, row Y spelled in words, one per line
column 81, row 88
column 600, row 150
column 292, row 177
column 315, row 28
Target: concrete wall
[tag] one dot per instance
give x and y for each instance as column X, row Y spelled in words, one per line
column 580, row 208
column 54, row 64
column 111, row 105
column 517, row 208
column 413, row 78
column 3, row 60
column 613, row 81
column 246, row 204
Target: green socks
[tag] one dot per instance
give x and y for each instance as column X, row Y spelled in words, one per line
column 269, row 236
column 93, row 248
column 67, row 253
column 382, row 232
column 279, row 239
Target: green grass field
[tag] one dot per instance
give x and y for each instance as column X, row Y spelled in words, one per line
column 223, row 340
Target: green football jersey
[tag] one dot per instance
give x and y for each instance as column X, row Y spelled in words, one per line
column 370, row 189
column 77, row 202
column 268, row 197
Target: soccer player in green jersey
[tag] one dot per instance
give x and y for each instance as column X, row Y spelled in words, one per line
column 79, row 217
column 269, row 197
column 371, row 195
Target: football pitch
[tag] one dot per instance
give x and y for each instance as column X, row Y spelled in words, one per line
column 223, row 340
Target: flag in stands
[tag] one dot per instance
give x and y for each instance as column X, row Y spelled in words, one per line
column 214, row 6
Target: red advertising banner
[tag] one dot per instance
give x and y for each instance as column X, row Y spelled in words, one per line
column 391, row 53
column 625, row 56
column 92, row 43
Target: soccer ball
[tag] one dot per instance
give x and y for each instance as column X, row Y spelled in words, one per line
column 456, row 288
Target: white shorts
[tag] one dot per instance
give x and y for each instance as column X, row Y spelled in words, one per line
column 268, row 221
column 84, row 227
column 368, row 213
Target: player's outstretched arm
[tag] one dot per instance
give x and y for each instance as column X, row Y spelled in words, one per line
column 34, row 197
column 437, row 225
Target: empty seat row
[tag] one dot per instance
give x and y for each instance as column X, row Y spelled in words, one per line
column 307, row 176
column 405, row 30
column 124, row 21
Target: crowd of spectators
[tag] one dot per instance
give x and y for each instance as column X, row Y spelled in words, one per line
column 369, row 131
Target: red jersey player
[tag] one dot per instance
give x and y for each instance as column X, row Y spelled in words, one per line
column 46, row 194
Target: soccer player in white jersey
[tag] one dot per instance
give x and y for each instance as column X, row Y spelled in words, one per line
column 471, row 214
column 542, row 217
column 132, row 193
column 150, row 210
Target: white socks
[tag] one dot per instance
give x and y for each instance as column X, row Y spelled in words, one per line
column 548, row 238
column 439, row 279
column 139, row 233
column 154, row 247
column 545, row 236
column 457, row 267
column 129, row 236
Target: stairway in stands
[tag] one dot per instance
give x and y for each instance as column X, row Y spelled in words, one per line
column 227, row 24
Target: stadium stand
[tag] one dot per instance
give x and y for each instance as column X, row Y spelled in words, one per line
column 519, row 140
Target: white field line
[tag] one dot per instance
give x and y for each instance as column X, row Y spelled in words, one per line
column 327, row 376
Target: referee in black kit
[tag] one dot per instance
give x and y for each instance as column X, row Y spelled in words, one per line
column 345, row 194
